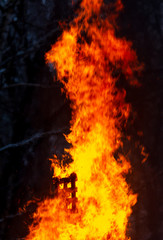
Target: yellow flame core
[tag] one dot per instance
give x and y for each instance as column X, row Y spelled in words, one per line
column 85, row 55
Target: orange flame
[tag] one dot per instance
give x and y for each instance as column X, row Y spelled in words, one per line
column 86, row 56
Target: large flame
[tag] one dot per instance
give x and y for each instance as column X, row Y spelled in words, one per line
column 86, row 57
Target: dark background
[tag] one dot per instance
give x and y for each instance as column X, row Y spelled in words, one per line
column 34, row 114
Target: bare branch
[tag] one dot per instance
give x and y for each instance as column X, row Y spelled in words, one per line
column 30, row 85
column 23, row 54
column 31, row 139
column 10, row 216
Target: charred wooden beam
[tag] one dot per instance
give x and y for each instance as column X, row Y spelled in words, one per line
column 67, row 188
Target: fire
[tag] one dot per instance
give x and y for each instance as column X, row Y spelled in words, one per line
column 86, row 57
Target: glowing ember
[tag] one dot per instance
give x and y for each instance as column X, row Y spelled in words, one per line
column 86, row 56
